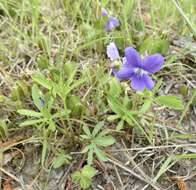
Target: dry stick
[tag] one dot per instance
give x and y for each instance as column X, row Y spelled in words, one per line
column 64, row 177
column 147, row 148
column 154, row 147
column 139, row 169
column 12, row 176
column 119, row 178
column 1, row 165
column 117, row 163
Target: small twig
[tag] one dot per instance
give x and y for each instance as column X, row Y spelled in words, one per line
column 81, row 162
column 154, row 147
column 1, row 164
column 12, row 176
column 69, row 184
column 146, row 177
column 119, row 178
column 120, row 165
column 65, row 177
column 146, row 148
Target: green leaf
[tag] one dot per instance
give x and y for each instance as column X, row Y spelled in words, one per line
column 173, row 102
column 115, row 106
column 29, row 113
column 97, row 128
column 146, row 106
column 90, row 155
column 70, row 70
column 52, row 125
column 84, row 176
column 44, row 151
column 120, row 125
column 85, row 182
column 85, row 137
column 115, row 87
column 31, row 122
column 88, row 171
column 166, row 165
column 61, row 159
column 41, row 80
column 86, row 148
column 36, row 95
column 127, row 9
column 112, row 117
column 100, row 155
column 153, row 45
column 76, row 176
column 104, row 141
column 86, row 130
column 3, row 129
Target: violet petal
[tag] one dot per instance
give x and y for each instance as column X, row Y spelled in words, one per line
column 149, row 83
column 153, row 63
column 137, row 82
column 112, row 51
column 132, row 56
column 140, row 82
column 124, row 73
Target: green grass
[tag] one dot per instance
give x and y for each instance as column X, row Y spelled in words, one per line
column 56, row 50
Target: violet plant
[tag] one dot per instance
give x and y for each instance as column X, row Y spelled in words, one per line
column 135, row 68
column 129, row 107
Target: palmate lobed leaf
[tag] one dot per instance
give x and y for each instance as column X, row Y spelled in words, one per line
column 61, row 159
column 84, row 176
column 85, row 182
column 76, row 176
column 88, row 171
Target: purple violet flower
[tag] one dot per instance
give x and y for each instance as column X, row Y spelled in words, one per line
column 138, row 70
column 42, row 102
column 112, row 23
column 104, row 12
column 112, row 51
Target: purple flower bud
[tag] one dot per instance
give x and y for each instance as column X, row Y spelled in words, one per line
column 112, row 51
column 42, row 102
column 104, row 12
column 112, row 23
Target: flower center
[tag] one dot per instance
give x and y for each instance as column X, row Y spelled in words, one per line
column 138, row 71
